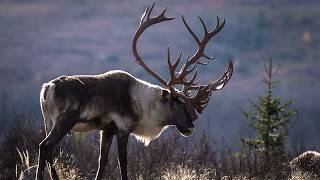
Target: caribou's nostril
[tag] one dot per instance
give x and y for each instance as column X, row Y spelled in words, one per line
column 191, row 129
column 188, row 132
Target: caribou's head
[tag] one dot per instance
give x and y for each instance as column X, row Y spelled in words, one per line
column 184, row 95
column 177, row 113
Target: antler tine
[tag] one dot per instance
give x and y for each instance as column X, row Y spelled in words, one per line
column 208, row 57
column 202, row 90
column 144, row 14
column 201, row 107
column 144, row 24
column 189, row 70
column 201, row 99
column 203, row 104
column 222, row 81
column 203, row 25
column 149, row 13
column 216, row 85
column 192, row 81
column 203, row 63
column 170, row 66
column 173, row 67
column 218, row 21
column 168, row 58
column 218, row 27
column 189, row 29
column 163, row 12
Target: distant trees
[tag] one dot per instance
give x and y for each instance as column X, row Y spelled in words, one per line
column 270, row 119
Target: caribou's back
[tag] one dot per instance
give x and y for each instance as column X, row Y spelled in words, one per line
column 93, row 98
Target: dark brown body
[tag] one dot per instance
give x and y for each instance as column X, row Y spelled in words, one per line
column 115, row 103
column 88, row 93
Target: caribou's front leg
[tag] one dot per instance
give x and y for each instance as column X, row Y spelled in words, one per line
column 122, row 141
column 105, row 142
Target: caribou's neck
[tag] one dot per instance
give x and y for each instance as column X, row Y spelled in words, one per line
column 151, row 118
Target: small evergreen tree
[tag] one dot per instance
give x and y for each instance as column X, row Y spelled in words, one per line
column 270, row 120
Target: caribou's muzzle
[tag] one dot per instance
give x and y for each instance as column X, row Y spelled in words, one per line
column 188, row 132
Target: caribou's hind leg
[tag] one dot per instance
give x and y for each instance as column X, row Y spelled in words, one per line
column 105, row 142
column 122, row 141
column 62, row 126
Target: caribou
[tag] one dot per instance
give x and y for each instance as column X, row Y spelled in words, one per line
column 119, row 104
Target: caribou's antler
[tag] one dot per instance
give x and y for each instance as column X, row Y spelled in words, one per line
column 202, row 96
column 145, row 22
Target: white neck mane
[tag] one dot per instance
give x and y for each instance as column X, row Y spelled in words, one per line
column 150, row 126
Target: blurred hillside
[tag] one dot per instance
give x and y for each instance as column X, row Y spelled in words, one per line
column 40, row 40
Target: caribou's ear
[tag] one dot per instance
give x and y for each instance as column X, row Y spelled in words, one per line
column 165, row 94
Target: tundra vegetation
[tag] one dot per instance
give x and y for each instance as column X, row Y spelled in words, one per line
column 270, row 119
column 171, row 156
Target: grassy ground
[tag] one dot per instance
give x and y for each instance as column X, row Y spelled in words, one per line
column 171, row 157
column 41, row 40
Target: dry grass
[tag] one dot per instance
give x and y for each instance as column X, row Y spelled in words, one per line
column 298, row 175
column 169, row 157
column 306, row 165
column 63, row 165
column 185, row 173
column 25, row 135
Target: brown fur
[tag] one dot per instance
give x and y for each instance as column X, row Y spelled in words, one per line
column 111, row 90
column 308, row 162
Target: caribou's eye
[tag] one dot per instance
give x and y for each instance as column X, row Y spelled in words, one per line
column 165, row 94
